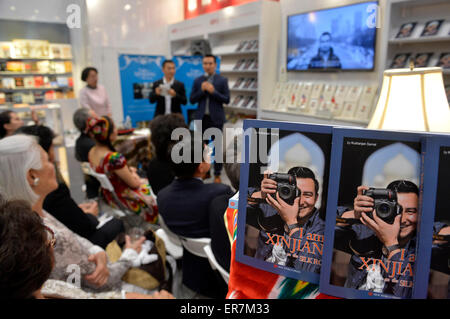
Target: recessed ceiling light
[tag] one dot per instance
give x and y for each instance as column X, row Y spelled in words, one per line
column 12, row 8
column 127, row 7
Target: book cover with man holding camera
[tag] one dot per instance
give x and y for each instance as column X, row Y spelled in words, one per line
column 284, row 177
column 372, row 214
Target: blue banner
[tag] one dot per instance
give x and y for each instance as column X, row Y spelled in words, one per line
column 137, row 74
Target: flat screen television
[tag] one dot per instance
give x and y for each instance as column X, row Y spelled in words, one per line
column 337, row 39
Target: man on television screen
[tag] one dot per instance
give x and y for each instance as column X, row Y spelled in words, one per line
column 325, row 58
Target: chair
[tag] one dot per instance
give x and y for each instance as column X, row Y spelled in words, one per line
column 106, row 184
column 214, row 264
column 171, row 240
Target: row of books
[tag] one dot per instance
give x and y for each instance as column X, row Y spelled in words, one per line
column 431, row 28
column 35, row 97
column 377, row 223
column 401, row 60
column 34, row 49
column 247, row 45
column 344, row 102
column 246, row 64
column 45, row 66
column 37, row 81
column 246, row 84
column 248, row 101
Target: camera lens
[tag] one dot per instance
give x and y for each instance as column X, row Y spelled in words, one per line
column 285, row 191
column 383, row 210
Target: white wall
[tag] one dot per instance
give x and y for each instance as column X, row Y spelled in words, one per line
column 142, row 29
column 289, row 7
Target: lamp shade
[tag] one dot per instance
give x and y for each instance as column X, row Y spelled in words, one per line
column 412, row 100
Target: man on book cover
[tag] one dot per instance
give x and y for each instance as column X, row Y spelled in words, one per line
column 380, row 234
column 292, row 232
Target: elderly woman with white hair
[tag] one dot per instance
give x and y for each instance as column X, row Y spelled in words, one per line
column 27, row 174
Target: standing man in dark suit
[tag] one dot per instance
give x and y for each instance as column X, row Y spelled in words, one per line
column 210, row 91
column 168, row 93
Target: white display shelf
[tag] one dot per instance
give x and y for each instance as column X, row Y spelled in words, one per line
column 239, row 71
column 420, row 40
column 279, row 115
column 236, row 53
column 244, row 90
column 243, row 110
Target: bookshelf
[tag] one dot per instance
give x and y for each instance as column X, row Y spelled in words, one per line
column 33, row 72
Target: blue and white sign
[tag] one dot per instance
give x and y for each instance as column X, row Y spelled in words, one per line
column 137, row 74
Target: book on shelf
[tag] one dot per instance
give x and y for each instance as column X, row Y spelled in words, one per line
column 348, row 111
column 53, row 81
column 248, row 101
column 248, row 63
column 251, row 45
column 38, row 81
column 444, row 60
column 59, row 67
column 2, row 98
column 24, row 48
column 241, row 45
column 14, row 66
column 431, row 28
column 50, row 95
column 39, row 96
column 317, row 90
column 5, row 50
column 8, row 83
column 55, row 51
column 248, row 83
column 67, row 66
column 237, row 100
column 28, row 98
column 421, row 60
column 66, row 51
column 254, row 84
column 239, row 64
column 255, row 65
column 353, row 94
column 406, row 30
column 43, row 66
column 17, row 98
column 62, row 81
column 3, row 66
column 238, row 83
column 400, row 60
column 18, row 82
column 70, row 82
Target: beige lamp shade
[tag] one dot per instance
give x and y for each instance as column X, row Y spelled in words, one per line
column 412, row 100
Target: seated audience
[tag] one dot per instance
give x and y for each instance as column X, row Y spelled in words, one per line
column 27, row 174
column 28, row 244
column 184, row 205
column 83, row 145
column 81, row 219
column 132, row 192
column 220, row 242
column 159, row 172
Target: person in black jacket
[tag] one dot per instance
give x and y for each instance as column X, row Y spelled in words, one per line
column 184, row 206
column 81, row 219
column 83, row 145
column 168, row 93
column 325, row 58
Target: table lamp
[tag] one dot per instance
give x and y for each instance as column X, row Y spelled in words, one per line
column 412, row 99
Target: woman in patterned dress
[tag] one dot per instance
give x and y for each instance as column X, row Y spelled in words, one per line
column 132, row 191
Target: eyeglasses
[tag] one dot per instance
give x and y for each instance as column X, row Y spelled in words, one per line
column 51, row 239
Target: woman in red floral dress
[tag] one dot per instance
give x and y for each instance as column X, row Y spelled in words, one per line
column 132, row 191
